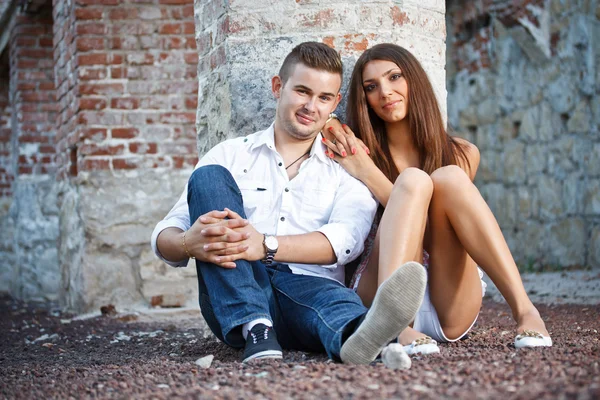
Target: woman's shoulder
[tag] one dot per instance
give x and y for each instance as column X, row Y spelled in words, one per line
column 471, row 151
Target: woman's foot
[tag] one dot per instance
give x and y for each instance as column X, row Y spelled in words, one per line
column 532, row 331
column 531, row 321
column 415, row 342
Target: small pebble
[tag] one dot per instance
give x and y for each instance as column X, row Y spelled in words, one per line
column 394, row 357
column 205, row 362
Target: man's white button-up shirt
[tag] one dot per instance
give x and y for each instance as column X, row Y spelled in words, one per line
column 323, row 197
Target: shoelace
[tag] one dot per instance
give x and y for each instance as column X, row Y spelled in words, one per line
column 258, row 337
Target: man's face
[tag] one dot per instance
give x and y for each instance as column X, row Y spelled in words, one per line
column 305, row 100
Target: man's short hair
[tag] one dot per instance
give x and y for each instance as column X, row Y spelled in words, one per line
column 314, row 55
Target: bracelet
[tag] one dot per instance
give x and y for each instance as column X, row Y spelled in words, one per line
column 331, row 116
column 186, row 249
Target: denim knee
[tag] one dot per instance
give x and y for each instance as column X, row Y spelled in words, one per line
column 209, row 173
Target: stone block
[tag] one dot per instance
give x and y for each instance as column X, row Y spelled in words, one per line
column 514, row 163
column 594, row 256
column 562, row 94
column 567, row 242
column 579, row 122
column 549, row 192
column 530, row 123
column 573, row 194
column 593, row 163
column 536, row 160
column 550, row 124
column 591, row 200
column 560, row 157
column 489, row 167
column 488, row 111
column 524, row 203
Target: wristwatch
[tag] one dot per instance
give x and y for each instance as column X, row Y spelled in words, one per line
column 271, row 245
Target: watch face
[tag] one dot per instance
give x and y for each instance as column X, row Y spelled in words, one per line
column 271, row 243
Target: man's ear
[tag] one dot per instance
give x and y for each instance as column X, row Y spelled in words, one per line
column 338, row 98
column 276, row 85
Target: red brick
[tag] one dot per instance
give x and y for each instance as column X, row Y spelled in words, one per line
column 191, row 103
column 92, row 73
column 188, row 28
column 92, row 149
column 178, row 118
column 93, row 164
column 92, row 104
column 177, row 2
column 26, row 41
column 46, row 86
column 88, row 13
column 143, row 148
column 123, row 13
column 117, row 72
column 125, row 103
column 124, row 133
column 124, row 163
column 94, row 134
column 99, row 2
column 170, row 29
column 93, row 59
column 91, row 28
column 191, row 58
column 26, row 86
column 88, row 43
column 101, row 88
column 46, row 42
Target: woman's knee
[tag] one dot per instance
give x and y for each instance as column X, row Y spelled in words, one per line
column 415, row 182
column 449, row 177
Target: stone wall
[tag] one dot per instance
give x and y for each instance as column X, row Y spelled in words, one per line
column 523, row 85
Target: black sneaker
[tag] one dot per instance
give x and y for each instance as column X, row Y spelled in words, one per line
column 261, row 343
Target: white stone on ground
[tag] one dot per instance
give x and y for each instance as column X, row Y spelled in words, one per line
column 394, row 357
column 205, row 362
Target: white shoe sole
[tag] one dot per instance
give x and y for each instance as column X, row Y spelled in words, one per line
column 273, row 354
column 525, row 342
column 395, row 305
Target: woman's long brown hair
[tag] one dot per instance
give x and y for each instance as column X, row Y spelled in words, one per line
column 435, row 147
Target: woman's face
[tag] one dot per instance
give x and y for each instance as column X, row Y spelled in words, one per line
column 386, row 90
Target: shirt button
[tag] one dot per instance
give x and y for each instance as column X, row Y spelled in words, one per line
column 282, row 219
column 347, row 251
column 245, row 170
column 287, row 189
column 280, row 164
column 246, row 139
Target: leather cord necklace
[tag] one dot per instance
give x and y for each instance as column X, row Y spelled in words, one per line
column 297, row 159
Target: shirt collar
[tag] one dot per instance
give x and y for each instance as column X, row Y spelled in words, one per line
column 267, row 138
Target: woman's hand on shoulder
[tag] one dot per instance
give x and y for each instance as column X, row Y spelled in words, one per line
column 349, row 151
column 340, row 139
column 473, row 155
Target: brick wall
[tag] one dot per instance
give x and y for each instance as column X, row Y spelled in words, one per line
column 6, row 169
column 127, row 85
column 33, row 96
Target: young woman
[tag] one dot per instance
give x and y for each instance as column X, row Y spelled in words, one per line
column 397, row 145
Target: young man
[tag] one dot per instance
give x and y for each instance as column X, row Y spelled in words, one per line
column 271, row 221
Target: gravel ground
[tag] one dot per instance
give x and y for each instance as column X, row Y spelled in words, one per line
column 46, row 354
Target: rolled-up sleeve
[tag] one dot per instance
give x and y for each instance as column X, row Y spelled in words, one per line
column 351, row 218
column 178, row 217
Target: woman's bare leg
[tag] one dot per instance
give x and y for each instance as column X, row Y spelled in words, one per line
column 399, row 237
column 460, row 223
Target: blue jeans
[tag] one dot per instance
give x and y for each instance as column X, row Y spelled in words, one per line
column 308, row 313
